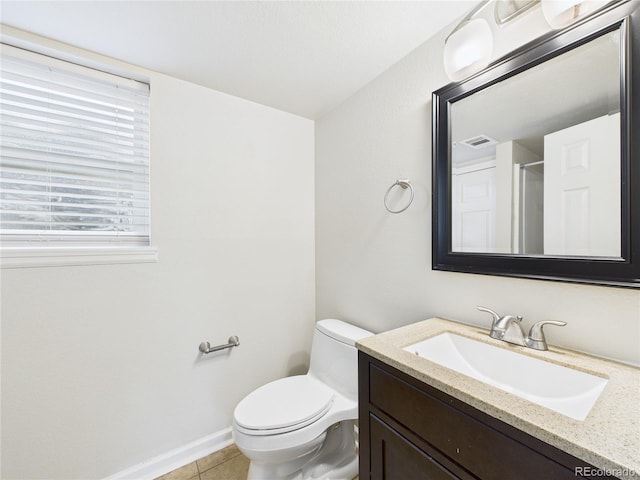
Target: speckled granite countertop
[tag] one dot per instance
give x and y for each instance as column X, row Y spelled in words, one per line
column 609, row 438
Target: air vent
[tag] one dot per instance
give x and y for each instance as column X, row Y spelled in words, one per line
column 481, row 141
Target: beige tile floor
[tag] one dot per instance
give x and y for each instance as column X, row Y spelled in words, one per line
column 226, row 464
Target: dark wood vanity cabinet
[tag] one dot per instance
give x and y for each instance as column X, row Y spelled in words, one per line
column 411, row 431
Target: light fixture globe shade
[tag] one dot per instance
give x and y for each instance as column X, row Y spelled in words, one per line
column 561, row 13
column 468, row 49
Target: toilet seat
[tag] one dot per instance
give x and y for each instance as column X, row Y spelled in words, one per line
column 283, row 405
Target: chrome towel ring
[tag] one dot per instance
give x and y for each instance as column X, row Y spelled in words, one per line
column 404, row 183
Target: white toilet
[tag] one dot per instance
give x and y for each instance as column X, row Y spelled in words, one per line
column 302, row 427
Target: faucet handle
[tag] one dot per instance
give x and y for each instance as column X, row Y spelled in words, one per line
column 536, row 334
column 496, row 317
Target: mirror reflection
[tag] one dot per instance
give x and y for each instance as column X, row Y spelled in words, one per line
column 535, row 159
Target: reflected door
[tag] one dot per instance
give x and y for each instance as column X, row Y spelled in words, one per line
column 473, row 210
column 582, row 182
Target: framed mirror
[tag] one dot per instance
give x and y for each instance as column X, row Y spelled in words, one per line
column 535, row 164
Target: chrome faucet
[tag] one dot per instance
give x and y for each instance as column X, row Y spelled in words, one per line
column 509, row 329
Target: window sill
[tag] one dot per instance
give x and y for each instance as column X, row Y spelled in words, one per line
column 29, row 257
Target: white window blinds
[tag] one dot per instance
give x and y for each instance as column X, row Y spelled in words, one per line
column 74, row 154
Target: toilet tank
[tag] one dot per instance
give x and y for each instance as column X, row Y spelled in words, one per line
column 334, row 357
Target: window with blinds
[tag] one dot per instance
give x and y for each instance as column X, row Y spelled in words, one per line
column 74, row 154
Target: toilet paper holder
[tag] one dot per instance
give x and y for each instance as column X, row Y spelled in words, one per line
column 205, row 347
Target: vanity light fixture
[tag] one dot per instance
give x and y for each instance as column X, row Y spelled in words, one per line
column 468, row 48
column 562, row 13
column 507, row 10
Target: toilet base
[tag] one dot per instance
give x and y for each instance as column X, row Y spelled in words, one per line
column 335, row 459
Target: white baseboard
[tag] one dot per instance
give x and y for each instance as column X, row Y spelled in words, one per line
column 176, row 458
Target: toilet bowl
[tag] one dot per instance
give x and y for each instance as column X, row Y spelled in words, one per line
column 302, row 427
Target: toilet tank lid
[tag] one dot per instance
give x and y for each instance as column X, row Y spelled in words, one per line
column 342, row 331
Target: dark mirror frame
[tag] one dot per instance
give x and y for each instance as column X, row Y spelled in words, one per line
column 622, row 272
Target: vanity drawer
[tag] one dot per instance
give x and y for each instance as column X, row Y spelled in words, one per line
column 436, row 418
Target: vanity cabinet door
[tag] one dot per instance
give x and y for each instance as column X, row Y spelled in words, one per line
column 412, row 431
column 393, row 457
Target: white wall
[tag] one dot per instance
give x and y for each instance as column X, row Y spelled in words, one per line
column 100, row 368
column 100, row 364
column 374, row 268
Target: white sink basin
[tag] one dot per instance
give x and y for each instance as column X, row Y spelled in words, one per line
column 567, row 391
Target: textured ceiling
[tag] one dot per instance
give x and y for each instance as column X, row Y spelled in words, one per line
column 304, row 57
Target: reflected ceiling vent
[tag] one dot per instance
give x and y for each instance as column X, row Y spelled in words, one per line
column 481, row 141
